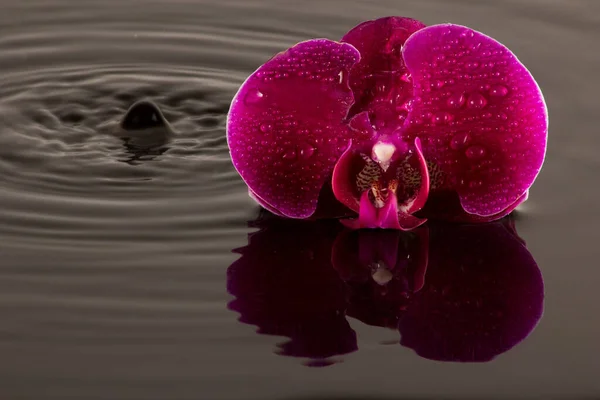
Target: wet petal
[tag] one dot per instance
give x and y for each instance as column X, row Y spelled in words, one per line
column 480, row 114
column 380, row 80
column 445, row 205
column 286, row 127
column 368, row 216
column 263, row 203
column 342, row 184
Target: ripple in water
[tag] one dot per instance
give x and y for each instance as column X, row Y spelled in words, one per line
column 110, row 151
column 71, row 172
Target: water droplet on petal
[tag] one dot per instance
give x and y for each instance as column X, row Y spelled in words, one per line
column 265, row 128
column 441, row 117
column 289, row 155
column 498, row 91
column 459, row 141
column 456, row 100
column 476, row 100
column 306, row 151
column 253, row 96
column 471, row 65
column 475, row 152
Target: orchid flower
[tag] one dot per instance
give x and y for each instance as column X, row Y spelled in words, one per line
column 398, row 119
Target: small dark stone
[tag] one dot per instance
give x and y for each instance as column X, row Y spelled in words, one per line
column 143, row 115
column 145, row 132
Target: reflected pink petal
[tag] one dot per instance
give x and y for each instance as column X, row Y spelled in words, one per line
column 483, row 294
column 286, row 127
column 285, row 285
column 382, row 269
column 463, row 293
column 480, row 114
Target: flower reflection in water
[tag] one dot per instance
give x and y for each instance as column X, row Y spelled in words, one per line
column 461, row 293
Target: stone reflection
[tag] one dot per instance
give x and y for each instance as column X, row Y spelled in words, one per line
column 457, row 293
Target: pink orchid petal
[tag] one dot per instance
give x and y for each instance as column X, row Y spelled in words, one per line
column 329, row 207
column 368, row 216
column 408, row 222
column 343, row 188
column 286, row 127
column 501, row 214
column 263, row 203
column 380, row 80
column 423, row 191
column 446, row 206
column 480, row 114
column 387, row 217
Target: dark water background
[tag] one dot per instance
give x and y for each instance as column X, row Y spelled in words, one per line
column 113, row 263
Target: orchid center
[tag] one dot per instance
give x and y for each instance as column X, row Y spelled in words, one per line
column 384, row 183
column 376, row 175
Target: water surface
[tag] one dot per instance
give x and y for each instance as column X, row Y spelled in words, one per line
column 114, row 260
